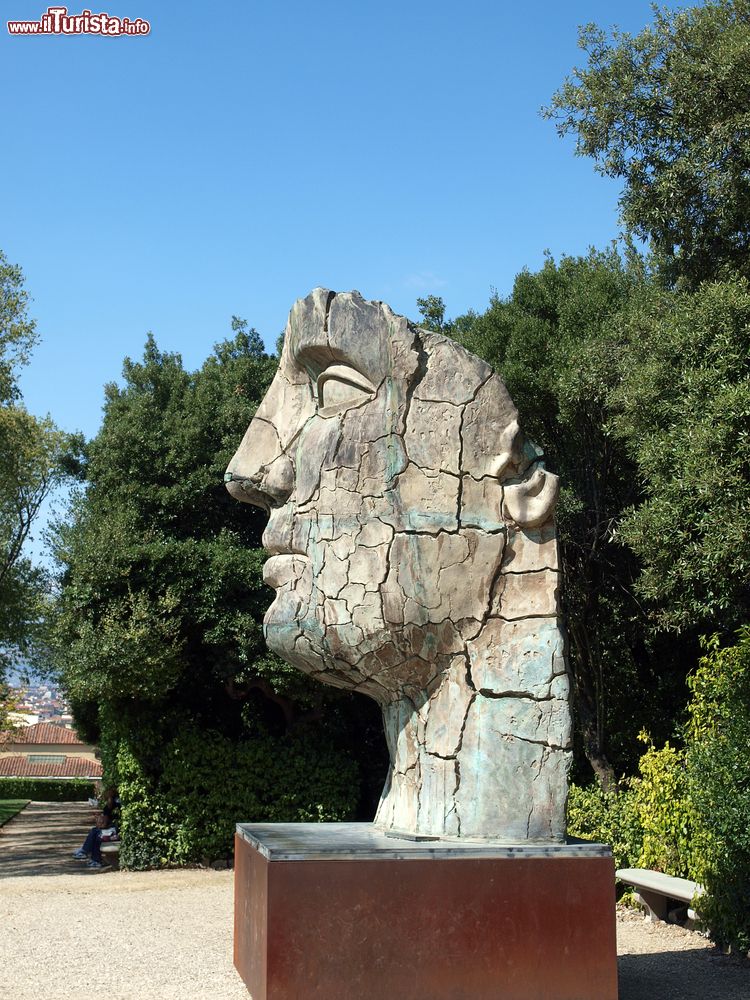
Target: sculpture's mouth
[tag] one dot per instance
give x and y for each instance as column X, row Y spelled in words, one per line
column 277, row 537
column 284, row 566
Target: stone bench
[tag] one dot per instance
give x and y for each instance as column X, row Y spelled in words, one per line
column 656, row 890
column 110, row 852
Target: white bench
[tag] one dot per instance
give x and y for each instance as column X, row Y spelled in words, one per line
column 656, row 890
column 110, row 852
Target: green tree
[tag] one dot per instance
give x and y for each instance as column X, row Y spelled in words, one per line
column 8, row 704
column 32, row 463
column 17, row 331
column 432, row 311
column 667, row 111
column 152, row 520
column 681, row 407
column 557, row 343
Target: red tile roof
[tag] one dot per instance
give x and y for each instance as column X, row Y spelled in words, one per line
column 45, row 732
column 74, row 767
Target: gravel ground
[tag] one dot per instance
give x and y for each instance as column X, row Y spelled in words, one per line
column 662, row 962
column 167, row 935
column 118, row 936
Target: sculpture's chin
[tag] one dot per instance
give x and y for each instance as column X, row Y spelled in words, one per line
column 280, row 638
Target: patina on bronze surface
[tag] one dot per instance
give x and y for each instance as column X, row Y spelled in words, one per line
column 414, row 557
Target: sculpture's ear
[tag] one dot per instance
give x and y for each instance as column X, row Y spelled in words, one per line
column 532, row 502
column 508, row 449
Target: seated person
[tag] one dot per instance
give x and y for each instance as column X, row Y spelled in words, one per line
column 91, row 847
column 110, row 806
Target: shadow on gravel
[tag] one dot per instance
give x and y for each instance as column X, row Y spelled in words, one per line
column 41, row 839
column 697, row 974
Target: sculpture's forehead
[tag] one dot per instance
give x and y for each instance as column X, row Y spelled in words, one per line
column 327, row 328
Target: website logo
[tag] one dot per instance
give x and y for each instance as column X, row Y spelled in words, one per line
column 57, row 21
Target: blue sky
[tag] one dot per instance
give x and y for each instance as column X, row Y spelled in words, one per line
column 243, row 153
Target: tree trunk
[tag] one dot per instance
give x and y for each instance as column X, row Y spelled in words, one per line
column 589, row 705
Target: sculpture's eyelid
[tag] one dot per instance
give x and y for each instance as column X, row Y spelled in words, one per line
column 345, row 374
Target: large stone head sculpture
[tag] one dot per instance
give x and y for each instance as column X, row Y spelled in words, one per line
column 414, row 558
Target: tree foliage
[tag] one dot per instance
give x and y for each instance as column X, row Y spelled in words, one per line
column 32, row 463
column 718, row 760
column 682, row 408
column 162, row 587
column 432, row 310
column 8, row 705
column 17, row 331
column 668, row 112
column 640, row 396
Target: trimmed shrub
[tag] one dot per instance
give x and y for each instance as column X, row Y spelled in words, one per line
column 207, row 783
column 146, row 821
column 663, row 809
column 718, row 762
column 608, row 818
column 647, row 821
column 689, row 812
column 46, row 789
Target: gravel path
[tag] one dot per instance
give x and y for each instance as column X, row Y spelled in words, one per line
column 69, row 933
column 663, row 962
column 81, row 935
column 118, row 936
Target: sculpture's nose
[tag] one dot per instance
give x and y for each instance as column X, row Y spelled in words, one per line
column 260, row 472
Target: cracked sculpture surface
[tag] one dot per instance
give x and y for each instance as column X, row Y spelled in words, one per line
column 414, row 557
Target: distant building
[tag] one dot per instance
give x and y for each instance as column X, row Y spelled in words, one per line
column 46, row 750
column 24, row 716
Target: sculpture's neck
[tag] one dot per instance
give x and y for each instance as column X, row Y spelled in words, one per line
column 473, row 764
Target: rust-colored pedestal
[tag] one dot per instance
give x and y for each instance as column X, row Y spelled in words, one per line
column 337, row 911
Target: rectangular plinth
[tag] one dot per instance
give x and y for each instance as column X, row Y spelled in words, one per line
column 339, row 911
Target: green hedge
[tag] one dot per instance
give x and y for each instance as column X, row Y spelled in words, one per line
column 607, row 818
column 46, row 789
column 185, row 812
column 688, row 813
column 718, row 765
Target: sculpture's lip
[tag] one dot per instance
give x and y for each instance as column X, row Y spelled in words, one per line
column 280, row 550
column 283, row 568
column 278, row 536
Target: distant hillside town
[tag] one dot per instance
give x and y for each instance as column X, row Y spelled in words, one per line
column 41, row 702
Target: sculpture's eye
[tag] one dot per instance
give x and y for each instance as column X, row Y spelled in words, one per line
column 340, row 386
